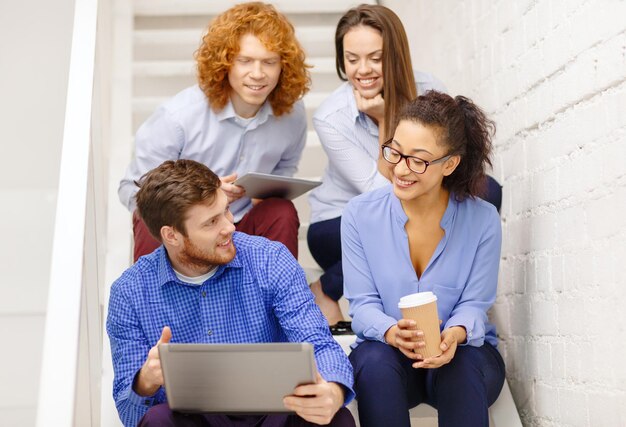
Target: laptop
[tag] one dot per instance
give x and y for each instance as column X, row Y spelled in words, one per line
column 263, row 185
column 234, row 378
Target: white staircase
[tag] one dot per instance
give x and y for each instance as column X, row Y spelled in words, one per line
column 165, row 34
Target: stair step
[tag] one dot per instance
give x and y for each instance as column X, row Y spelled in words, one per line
column 167, row 68
column 313, row 161
column 179, row 44
column 313, row 100
column 214, row 7
column 159, row 37
column 312, row 140
column 161, row 86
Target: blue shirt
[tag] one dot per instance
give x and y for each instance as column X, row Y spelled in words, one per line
column 185, row 127
column 260, row 296
column 377, row 267
column 350, row 139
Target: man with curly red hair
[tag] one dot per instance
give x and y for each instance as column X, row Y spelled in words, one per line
column 244, row 115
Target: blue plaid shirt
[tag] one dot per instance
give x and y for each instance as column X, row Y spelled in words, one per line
column 260, row 296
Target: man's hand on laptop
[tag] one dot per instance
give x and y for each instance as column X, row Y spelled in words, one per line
column 233, row 192
column 317, row 403
column 150, row 376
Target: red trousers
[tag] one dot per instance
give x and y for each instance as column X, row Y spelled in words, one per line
column 275, row 219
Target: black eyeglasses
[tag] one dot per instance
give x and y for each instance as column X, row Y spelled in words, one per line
column 416, row 164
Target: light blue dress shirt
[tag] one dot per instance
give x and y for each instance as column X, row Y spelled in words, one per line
column 185, row 127
column 350, row 139
column 260, row 296
column 377, row 267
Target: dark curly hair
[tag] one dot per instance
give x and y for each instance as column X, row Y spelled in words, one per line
column 464, row 129
column 220, row 45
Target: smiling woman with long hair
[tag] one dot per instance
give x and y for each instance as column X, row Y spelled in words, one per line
column 372, row 56
column 427, row 231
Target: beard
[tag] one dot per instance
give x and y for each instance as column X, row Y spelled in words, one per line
column 197, row 258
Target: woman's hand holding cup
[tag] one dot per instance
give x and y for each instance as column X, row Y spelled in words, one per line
column 450, row 338
column 405, row 336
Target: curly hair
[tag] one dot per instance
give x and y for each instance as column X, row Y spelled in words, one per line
column 220, row 45
column 167, row 192
column 464, row 129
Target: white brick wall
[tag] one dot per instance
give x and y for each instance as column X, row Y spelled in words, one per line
column 552, row 73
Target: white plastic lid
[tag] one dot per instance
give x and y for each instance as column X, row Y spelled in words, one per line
column 419, row 298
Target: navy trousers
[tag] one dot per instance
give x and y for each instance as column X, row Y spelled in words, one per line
column 324, row 239
column 387, row 386
column 162, row 416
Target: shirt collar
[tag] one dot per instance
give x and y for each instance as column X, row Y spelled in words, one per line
column 261, row 116
column 228, row 112
column 166, row 272
column 449, row 214
column 446, row 220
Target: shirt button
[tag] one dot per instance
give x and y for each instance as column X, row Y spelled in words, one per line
column 204, row 293
column 470, row 334
column 209, row 332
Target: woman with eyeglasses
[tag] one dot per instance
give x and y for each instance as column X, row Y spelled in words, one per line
column 371, row 45
column 427, row 231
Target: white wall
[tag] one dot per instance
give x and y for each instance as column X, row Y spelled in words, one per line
column 34, row 54
column 552, row 73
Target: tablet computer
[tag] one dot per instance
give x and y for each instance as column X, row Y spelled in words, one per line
column 234, row 378
column 263, row 185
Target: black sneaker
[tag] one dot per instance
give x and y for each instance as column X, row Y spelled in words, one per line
column 341, row 328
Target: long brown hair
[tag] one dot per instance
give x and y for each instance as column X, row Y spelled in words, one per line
column 398, row 80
